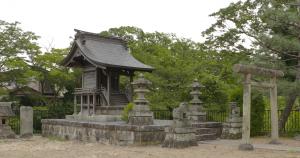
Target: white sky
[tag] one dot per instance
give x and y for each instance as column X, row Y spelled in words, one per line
column 55, row 20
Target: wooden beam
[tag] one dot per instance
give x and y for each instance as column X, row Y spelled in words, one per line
column 263, row 84
column 94, row 104
column 81, row 104
column 75, row 105
column 88, row 104
column 254, row 70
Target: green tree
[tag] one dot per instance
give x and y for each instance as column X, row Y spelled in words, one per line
column 49, row 70
column 17, row 48
column 177, row 62
column 268, row 32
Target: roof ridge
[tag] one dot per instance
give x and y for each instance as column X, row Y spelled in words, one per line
column 81, row 32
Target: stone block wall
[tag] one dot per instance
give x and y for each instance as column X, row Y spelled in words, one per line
column 112, row 133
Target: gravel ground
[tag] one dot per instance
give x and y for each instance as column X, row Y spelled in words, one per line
column 39, row 147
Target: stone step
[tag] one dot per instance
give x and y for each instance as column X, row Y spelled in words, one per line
column 207, row 125
column 119, row 102
column 200, row 131
column 203, row 137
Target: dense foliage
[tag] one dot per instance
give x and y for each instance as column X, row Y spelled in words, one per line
column 177, row 63
column 267, row 31
column 22, row 61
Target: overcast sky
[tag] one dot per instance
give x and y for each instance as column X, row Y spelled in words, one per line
column 55, row 20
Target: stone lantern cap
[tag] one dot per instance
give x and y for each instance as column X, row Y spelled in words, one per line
column 5, row 109
column 141, row 81
column 196, row 84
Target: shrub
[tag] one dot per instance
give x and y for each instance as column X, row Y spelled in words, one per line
column 126, row 111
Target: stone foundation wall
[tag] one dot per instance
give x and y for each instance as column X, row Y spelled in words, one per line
column 112, row 133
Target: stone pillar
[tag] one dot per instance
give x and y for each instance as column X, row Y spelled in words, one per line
column 197, row 112
column 274, row 112
column 246, row 145
column 141, row 114
column 232, row 129
column 26, row 119
column 180, row 134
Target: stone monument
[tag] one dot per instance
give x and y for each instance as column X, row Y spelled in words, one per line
column 196, row 113
column 232, row 129
column 26, row 118
column 5, row 113
column 180, row 134
column 141, row 114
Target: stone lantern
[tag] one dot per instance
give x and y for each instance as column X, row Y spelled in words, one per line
column 232, row 129
column 5, row 113
column 180, row 134
column 197, row 110
column 141, row 114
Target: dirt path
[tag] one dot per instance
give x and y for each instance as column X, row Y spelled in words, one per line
column 39, row 147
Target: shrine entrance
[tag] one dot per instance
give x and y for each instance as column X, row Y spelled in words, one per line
column 249, row 71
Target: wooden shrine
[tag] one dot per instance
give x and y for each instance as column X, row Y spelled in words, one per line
column 248, row 71
column 102, row 60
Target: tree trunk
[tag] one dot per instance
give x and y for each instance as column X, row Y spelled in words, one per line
column 291, row 99
column 287, row 110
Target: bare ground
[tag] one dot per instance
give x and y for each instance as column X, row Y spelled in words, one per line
column 39, row 147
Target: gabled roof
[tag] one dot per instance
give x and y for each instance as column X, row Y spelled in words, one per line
column 103, row 52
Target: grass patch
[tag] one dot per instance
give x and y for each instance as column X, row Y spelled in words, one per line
column 55, row 138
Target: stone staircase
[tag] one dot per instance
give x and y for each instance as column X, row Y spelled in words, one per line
column 208, row 130
column 118, row 99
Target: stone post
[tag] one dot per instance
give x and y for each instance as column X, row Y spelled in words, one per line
column 141, row 114
column 246, row 145
column 26, row 118
column 197, row 110
column 274, row 114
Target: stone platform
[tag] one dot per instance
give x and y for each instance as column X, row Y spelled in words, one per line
column 120, row 133
column 207, row 130
column 117, row 133
column 95, row 118
column 109, row 110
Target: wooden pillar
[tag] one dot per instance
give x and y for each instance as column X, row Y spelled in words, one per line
column 274, row 112
column 246, row 145
column 131, row 87
column 75, row 105
column 88, row 104
column 94, row 103
column 108, row 87
column 81, row 104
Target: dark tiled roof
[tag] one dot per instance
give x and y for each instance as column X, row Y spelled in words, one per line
column 5, row 109
column 105, row 52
